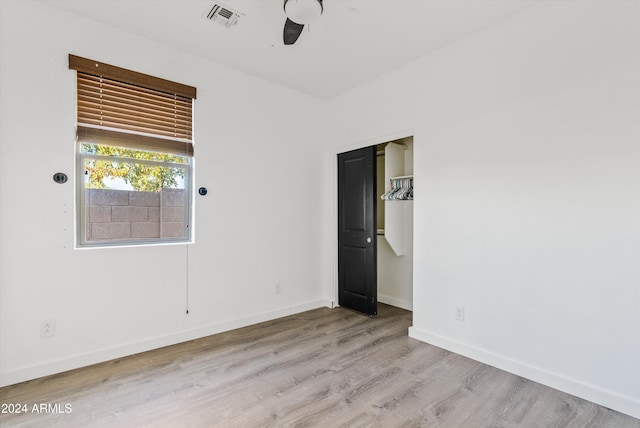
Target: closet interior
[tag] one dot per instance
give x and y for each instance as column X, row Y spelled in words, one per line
column 395, row 222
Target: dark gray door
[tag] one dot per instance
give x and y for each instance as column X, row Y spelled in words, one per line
column 357, row 243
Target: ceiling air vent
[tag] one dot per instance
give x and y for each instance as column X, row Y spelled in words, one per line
column 223, row 15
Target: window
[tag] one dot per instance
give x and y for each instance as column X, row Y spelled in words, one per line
column 135, row 156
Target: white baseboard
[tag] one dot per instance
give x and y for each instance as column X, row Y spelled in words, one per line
column 393, row 301
column 592, row 393
column 77, row 361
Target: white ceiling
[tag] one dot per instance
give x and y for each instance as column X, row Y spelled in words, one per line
column 354, row 40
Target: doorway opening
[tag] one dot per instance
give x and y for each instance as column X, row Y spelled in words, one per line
column 375, row 226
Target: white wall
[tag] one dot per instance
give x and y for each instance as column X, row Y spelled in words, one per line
column 527, row 193
column 251, row 234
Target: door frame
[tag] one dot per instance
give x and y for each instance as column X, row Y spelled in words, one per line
column 334, row 209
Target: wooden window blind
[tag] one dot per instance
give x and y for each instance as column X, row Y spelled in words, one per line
column 121, row 107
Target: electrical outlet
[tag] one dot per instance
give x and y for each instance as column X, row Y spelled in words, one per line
column 458, row 313
column 48, row 328
column 278, row 288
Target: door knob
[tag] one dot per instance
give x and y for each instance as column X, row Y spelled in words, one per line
column 368, row 240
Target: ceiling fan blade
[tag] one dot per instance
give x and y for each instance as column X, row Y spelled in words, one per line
column 291, row 32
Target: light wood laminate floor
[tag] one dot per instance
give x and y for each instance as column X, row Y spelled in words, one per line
column 322, row 368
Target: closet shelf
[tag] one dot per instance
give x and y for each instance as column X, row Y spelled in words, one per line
column 401, row 177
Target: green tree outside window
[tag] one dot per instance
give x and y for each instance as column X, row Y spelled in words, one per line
column 141, row 176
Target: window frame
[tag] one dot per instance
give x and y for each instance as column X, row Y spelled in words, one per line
column 82, row 190
column 126, row 137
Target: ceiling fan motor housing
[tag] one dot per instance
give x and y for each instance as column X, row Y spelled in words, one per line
column 303, row 11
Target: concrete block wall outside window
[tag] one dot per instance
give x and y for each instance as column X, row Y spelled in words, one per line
column 128, row 214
